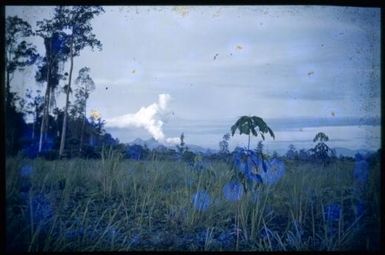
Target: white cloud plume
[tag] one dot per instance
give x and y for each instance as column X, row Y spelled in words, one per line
column 151, row 118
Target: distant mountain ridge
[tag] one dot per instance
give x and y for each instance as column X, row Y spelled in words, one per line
column 154, row 144
column 351, row 153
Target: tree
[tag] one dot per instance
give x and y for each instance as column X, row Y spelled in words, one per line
column 321, row 137
column 14, row 125
column 56, row 52
column 292, row 152
column 76, row 20
column 85, row 86
column 224, row 144
column 249, row 162
column 182, row 146
column 321, row 151
column 303, row 155
column 18, row 54
column 247, row 124
column 259, row 148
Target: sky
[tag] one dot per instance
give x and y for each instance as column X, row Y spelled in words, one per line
column 167, row 70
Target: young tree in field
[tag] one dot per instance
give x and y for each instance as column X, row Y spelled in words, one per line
column 85, row 86
column 77, row 21
column 182, row 146
column 248, row 124
column 292, row 152
column 224, row 144
column 303, row 155
column 18, row 54
column 247, row 161
column 259, row 148
column 321, row 150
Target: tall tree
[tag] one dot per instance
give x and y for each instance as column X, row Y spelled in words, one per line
column 56, row 52
column 18, row 54
column 85, row 86
column 77, row 21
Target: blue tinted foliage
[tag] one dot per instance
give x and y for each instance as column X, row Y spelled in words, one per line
column 275, row 171
column 48, row 144
column 74, row 234
column 361, row 171
column 298, row 228
column 265, row 233
column 135, row 240
column 42, row 208
column 201, row 201
column 255, row 168
column 226, row 239
column 332, row 212
column 135, row 152
column 200, row 237
column 200, row 165
column 255, row 197
column 26, row 171
column 113, row 233
column 31, row 150
column 25, row 186
column 189, row 182
column 233, row 191
column 59, row 43
column 358, row 157
column 359, row 209
column 254, row 177
column 249, row 163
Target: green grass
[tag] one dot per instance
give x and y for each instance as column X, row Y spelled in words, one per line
column 123, row 205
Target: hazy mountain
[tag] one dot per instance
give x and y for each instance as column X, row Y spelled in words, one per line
column 349, row 152
column 196, row 148
column 153, row 144
column 150, row 143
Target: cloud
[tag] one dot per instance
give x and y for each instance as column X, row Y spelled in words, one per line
column 151, row 118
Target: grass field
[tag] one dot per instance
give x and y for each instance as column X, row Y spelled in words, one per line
column 123, row 205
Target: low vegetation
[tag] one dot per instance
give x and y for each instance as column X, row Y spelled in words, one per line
column 114, row 204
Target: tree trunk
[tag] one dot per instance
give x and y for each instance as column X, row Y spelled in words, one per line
column 82, row 130
column 63, row 133
column 46, row 105
column 33, row 126
column 47, row 96
column 8, row 90
column 46, row 124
